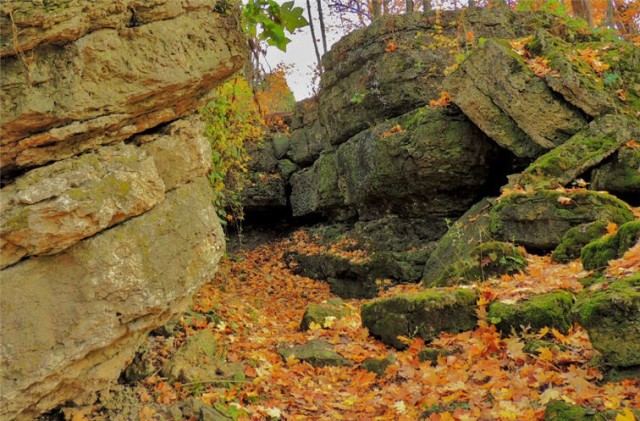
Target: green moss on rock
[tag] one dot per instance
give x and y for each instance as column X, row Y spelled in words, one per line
column 611, row 316
column 323, row 313
column 425, row 315
column 539, row 220
column 596, row 254
column 576, row 238
column 484, row 261
column 548, row 310
column 317, row 352
column 558, row 410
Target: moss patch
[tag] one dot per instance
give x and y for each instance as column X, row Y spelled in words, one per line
column 547, row 310
column 611, row 315
column 576, row 238
column 596, row 254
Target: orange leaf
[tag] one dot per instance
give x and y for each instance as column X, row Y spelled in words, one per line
column 632, row 144
column 612, row 228
column 391, row 47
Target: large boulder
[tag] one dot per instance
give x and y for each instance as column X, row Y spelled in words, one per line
column 612, row 318
column 397, row 63
column 550, row 310
column 536, row 220
column 107, row 223
column 424, row 315
column 107, row 85
column 620, row 174
column 597, row 253
column 583, row 151
column 71, row 321
column 510, row 103
column 427, row 162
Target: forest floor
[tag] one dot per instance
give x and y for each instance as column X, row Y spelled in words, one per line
column 259, row 303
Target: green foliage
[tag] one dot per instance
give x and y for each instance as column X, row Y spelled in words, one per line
column 232, row 118
column 273, row 19
column 357, row 98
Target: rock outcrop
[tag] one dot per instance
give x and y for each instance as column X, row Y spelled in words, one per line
column 107, row 225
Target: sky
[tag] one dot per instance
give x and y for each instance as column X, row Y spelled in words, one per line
column 301, row 55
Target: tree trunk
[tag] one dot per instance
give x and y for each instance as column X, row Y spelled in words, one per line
column 409, row 6
column 426, row 6
column 376, row 9
column 583, row 9
column 313, row 34
column 323, row 31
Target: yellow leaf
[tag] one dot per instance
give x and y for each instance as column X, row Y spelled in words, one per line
column 626, row 415
column 612, row 228
column 545, row 354
column 563, row 200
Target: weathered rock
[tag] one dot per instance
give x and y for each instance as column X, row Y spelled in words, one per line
column 51, row 208
column 281, row 145
column 482, row 262
column 378, row 365
column 113, row 83
column 536, row 220
column 597, row 254
column 620, row 175
column 317, row 352
column 437, row 164
column 539, row 220
column 180, row 151
column 575, row 80
column 576, row 238
column 307, row 143
column 587, row 148
column 199, row 360
column 87, row 309
column 509, row 103
column 396, row 64
column 550, row 310
column 612, row 319
column 360, row 278
column 315, row 189
column 324, row 314
column 262, row 156
column 286, row 168
column 25, row 25
column 266, row 192
column 425, row 315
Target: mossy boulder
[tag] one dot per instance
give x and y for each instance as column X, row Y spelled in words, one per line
column 539, row 220
column 576, row 238
column 484, row 261
column 587, row 148
column 620, row 174
column 596, row 254
column 612, row 318
column 536, row 220
column 551, row 310
column 425, row 315
column 558, row 410
column 199, row 360
column 378, row 365
column 323, row 314
column 317, row 352
column 359, row 278
column 509, row 103
column 426, row 162
column 535, row 345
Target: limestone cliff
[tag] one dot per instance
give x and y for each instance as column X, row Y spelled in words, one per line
column 106, row 226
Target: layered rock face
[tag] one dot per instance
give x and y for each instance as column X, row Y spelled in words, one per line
column 106, row 231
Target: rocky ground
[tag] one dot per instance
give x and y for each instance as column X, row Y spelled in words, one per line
column 263, row 343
